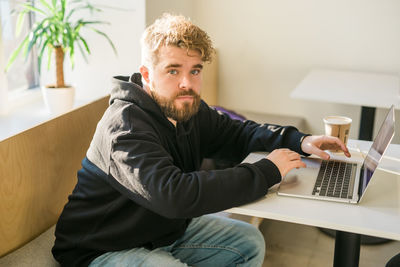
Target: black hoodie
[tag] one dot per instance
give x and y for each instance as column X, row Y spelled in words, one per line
column 140, row 183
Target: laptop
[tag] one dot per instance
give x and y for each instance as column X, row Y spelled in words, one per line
column 341, row 181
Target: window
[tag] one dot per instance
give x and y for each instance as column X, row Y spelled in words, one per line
column 24, row 72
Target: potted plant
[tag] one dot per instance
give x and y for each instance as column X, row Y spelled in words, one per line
column 57, row 31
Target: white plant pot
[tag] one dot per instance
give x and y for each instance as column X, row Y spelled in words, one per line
column 58, row 100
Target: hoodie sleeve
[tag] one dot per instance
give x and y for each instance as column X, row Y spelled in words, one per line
column 233, row 139
column 142, row 170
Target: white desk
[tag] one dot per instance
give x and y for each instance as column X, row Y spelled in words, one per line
column 350, row 87
column 368, row 90
column 377, row 215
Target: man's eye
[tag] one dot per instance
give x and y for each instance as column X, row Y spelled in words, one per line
column 173, row 72
column 195, row 72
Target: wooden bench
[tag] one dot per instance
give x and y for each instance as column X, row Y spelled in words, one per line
column 37, row 173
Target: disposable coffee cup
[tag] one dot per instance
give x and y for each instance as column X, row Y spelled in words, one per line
column 338, row 126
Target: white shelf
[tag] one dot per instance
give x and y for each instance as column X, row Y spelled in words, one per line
column 29, row 115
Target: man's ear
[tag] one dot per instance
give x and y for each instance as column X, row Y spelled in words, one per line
column 145, row 73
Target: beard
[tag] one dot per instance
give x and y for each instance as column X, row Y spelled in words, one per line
column 169, row 109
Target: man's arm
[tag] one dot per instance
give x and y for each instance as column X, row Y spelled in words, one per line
column 226, row 138
column 142, row 170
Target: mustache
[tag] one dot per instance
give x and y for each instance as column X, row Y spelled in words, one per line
column 187, row 93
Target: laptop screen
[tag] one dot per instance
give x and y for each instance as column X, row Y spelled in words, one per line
column 379, row 146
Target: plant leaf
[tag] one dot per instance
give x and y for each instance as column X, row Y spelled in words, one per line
column 72, row 11
column 70, row 44
column 33, row 36
column 83, row 23
column 29, row 7
column 84, row 43
column 40, row 56
column 16, row 52
column 49, row 53
column 95, row 22
column 72, row 57
column 20, row 22
column 83, row 52
column 63, row 3
column 50, row 8
column 108, row 39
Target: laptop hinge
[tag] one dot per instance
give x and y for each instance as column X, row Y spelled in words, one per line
column 360, row 182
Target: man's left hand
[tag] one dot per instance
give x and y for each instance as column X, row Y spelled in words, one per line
column 316, row 144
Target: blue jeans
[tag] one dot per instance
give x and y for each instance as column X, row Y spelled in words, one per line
column 208, row 241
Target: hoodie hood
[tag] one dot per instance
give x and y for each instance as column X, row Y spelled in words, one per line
column 130, row 89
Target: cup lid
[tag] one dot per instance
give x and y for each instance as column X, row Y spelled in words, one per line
column 337, row 120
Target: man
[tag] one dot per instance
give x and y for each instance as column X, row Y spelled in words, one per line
column 141, row 199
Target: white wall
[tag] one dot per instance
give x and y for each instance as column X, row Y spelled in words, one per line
column 266, row 47
column 3, row 80
column 127, row 22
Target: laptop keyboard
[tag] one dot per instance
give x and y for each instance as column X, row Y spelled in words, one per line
column 334, row 179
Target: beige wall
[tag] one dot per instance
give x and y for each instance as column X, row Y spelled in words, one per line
column 266, row 48
column 154, row 8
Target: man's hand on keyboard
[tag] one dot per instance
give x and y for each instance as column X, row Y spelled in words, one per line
column 285, row 159
column 316, row 144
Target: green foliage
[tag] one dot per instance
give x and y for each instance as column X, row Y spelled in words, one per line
column 56, row 26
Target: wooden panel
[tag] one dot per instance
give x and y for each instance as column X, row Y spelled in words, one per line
column 38, row 171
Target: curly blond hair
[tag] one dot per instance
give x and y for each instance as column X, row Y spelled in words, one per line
column 175, row 31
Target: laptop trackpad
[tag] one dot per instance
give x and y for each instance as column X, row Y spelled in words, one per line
column 301, row 181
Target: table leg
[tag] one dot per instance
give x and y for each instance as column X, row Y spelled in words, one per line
column 367, row 120
column 347, row 249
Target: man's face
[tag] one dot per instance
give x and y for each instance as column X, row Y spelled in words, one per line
column 175, row 82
